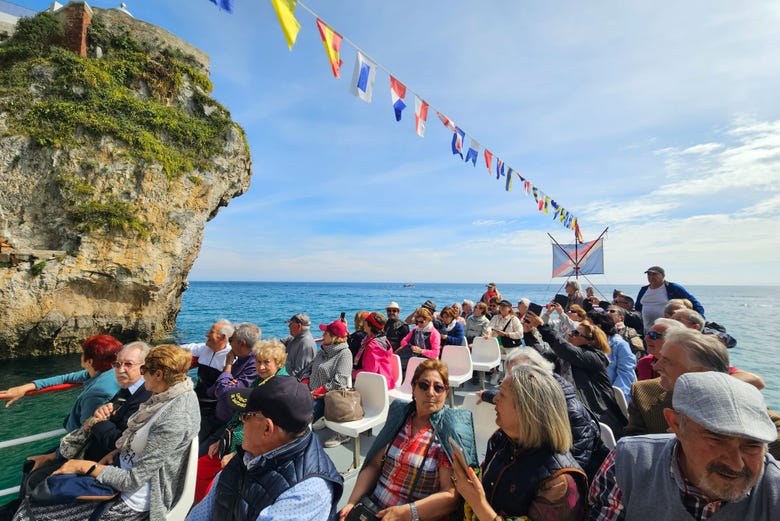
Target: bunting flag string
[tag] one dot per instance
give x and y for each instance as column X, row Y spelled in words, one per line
column 225, row 5
column 362, row 86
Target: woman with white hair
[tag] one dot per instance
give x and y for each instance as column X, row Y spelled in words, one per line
column 528, row 468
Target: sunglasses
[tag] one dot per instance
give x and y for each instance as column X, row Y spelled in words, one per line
column 145, row 369
column 526, row 321
column 577, row 333
column 437, row 388
column 613, row 311
column 654, row 335
column 245, row 415
column 420, row 321
column 117, row 365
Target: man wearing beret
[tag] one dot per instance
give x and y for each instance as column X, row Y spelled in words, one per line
column 281, row 471
column 714, row 465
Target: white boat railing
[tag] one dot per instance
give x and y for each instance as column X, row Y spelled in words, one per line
column 21, row 441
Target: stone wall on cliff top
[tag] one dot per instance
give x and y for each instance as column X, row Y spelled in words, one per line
column 109, row 170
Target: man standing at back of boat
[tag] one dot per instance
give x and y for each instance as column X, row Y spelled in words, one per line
column 652, row 298
column 300, row 346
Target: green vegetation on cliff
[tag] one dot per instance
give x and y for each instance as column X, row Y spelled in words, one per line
column 130, row 94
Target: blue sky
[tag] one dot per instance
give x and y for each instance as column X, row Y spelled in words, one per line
column 661, row 121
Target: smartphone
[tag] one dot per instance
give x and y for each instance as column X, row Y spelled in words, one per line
column 457, row 453
column 534, row 308
column 561, row 299
column 343, row 314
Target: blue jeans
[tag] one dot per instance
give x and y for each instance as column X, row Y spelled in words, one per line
column 319, row 409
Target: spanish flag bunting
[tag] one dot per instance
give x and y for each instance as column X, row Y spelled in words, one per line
column 332, row 42
column 285, row 11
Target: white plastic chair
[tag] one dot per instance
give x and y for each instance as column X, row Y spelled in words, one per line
column 373, row 397
column 607, row 436
column 485, row 355
column 458, row 360
column 182, row 506
column 484, row 422
column 464, row 342
column 620, row 398
column 397, row 370
column 404, row 391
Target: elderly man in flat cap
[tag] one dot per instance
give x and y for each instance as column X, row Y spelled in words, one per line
column 714, row 465
column 281, row 471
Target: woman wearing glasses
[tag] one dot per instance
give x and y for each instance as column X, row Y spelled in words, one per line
column 146, row 468
column 582, row 359
column 407, row 472
column 97, row 354
column 528, row 469
column 422, row 340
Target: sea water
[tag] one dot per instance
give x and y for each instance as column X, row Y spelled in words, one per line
column 748, row 312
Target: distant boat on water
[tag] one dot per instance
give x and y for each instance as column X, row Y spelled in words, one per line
column 408, row 284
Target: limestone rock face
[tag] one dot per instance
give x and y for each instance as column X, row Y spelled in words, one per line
column 96, row 237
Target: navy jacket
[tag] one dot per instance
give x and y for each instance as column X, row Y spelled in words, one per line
column 673, row 290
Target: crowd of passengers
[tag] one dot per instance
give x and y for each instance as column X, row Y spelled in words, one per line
column 698, row 441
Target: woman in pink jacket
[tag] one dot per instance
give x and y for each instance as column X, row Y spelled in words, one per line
column 375, row 354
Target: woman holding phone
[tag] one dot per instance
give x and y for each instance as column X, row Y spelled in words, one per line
column 407, row 473
column 528, row 469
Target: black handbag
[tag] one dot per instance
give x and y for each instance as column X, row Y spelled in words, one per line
column 507, row 342
column 364, row 510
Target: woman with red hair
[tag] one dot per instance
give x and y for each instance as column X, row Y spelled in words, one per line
column 100, row 385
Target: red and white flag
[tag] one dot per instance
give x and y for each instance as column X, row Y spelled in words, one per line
column 420, row 116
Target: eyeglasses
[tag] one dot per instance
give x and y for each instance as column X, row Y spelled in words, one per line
column 146, row 369
column 244, row 415
column 654, row 335
column 613, row 311
column 390, row 310
column 577, row 333
column 117, row 365
column 420, row 321
column 437, row 388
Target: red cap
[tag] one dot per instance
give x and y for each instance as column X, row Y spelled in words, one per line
column 336, row 328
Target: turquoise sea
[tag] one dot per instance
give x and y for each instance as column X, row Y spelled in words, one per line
column 748, row 312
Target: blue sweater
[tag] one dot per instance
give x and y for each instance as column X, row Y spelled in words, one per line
column 97, row 391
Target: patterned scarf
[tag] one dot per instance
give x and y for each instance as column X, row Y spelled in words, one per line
column 149, row 409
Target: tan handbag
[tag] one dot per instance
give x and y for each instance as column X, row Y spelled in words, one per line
column 343, row 405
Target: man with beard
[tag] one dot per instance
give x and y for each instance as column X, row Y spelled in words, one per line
column 715, row 462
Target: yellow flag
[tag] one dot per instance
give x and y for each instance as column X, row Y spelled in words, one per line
column 285, row 10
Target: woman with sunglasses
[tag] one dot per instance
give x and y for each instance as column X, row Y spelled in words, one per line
column 567, row 320
column 146, row 468
column 422, row 340
column 582, row 359
column 528, row 468
column 654, row 339
column 97, row 354
column 407, row 472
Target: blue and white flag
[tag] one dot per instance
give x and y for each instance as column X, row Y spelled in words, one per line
column 457, row 141
column 473, row 152
column 363, row 78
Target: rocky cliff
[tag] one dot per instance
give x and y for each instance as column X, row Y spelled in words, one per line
column 110, row 166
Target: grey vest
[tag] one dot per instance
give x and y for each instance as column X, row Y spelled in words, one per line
column 642, row 466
